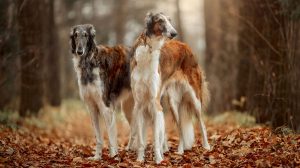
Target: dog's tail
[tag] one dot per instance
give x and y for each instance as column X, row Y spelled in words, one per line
column 205, row 96
column 187, row 127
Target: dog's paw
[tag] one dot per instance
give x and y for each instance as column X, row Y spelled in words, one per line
column 128, row 147
column 140, row 159
column 95, row 158
column 158, row 156
column 207, row 147
column 141, row 155
column 113, row 152
column 158, row 159
column 179, row 152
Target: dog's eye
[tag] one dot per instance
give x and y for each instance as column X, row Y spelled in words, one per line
column 85, row 34
column 160, row 22
column 75, row 35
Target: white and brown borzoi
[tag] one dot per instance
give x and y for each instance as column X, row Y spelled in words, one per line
column 103, row 79
column 162, row 66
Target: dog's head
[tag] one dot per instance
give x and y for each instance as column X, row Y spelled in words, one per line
column 159, row 25
column 82, row 39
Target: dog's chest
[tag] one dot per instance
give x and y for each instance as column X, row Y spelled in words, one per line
column 88, row 88
column 145, row 76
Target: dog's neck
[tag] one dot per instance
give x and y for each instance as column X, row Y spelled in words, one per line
column 84, row 66
column 155, row 43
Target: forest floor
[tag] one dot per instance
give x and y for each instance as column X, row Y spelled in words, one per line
column 64, row 138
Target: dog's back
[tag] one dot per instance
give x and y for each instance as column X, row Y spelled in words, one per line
column 114, row 65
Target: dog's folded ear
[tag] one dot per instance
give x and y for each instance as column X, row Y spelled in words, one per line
column 92, row 30
column 72, row 40
column 91, row 41
column 149, row 23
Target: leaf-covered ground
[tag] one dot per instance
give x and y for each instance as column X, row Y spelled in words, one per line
column 64, row 138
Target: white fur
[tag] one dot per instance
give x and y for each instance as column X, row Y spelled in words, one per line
column 145, row 84
column 145, row 76
column 93, row 90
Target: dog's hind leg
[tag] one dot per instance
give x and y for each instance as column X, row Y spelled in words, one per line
column 127, row 108
column 94, row 112
column 166, row 108
column 202, row 127
column 132, row 136
column 174, row 108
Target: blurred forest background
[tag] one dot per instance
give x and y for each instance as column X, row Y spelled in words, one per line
column 249, row 50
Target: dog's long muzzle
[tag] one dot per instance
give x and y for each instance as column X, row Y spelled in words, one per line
column 80, row 51
column 173, row 34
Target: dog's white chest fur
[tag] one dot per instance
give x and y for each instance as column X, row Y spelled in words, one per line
column 91, row 90
column 145, row 78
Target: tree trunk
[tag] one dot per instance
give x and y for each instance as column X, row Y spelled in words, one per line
column 8, row 59
column 180, row 35
column 120, row 20
column 30, row 18
column 244, row 50
column 221, row 52
column 52, row 60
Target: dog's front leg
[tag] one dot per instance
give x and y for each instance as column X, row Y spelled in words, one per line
column 94, row 112
column 140, row 136
column 109, row 118
column 158, row 123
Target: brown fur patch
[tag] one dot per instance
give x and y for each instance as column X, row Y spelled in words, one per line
column 177, row 56
column 114, row 70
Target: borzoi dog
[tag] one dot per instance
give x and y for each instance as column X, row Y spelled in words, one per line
column 103, row 79
column 162, row 66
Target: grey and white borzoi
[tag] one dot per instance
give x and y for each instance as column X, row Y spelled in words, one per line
column 103, row 80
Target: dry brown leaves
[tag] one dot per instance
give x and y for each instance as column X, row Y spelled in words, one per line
column 232, row 147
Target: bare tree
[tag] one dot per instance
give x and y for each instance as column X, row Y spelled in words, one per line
column 272, row 61
column 52, row 59
column 30, row 17
column 8, row 54
column 178, row 21
column 120, row 15
column 221, row 52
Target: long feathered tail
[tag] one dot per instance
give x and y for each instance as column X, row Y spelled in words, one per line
column 187, row 129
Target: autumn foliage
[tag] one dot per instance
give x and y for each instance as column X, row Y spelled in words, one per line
column 65, row 142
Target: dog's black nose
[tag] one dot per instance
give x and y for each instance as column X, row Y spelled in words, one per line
column 79, row 52
column 173, row 34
